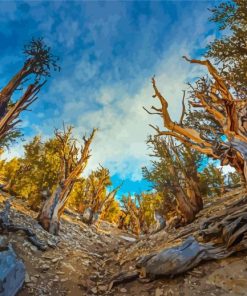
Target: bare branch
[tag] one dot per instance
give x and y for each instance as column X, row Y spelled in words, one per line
column 151, row 113
column 183, row 109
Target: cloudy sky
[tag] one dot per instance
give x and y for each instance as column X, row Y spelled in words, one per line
column 108, row 50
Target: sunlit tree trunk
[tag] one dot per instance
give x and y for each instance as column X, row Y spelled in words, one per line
column 50, row 214
column 230, row 114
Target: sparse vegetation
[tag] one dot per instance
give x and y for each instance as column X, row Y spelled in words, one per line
column 193, row 212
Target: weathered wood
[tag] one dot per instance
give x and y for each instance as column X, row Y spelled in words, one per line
column 123, row 277
column 221, row 238
column 216, row 238
column 71, row 168
column 226, row 110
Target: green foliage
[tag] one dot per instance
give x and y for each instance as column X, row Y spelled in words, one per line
column 148, row 203
column 36, row 174
column 184, row 164
column 234, row 180
column 212, row 181
column 8, row 171
column 78, row 196
column 92, row 192
column 39, row 61
column 39, row 58
column 137, row 213
column 11, row 138
column 230, row 50
column 113, row 212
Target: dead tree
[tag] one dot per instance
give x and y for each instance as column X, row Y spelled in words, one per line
column 230, row 114
column 71, row 168
column 38, row 63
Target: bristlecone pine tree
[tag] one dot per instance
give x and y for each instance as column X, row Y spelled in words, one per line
column 72, row 166
column 230, row 51
column 229, row 114
column 175, row 175
column 91, row 197
column 137, row 213
column 96, row 193
column 132, row 215
column 38, row 63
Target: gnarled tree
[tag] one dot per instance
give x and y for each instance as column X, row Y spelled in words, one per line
column 106, row 204
column 95, row 194
column 72, row 166
column 38, row 63
column 174, row 174
column 228, row 114
column 229, row 50
column 91, row 198
column 132, row 215
column 138, row 213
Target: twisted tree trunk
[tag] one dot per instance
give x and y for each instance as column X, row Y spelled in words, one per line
column 49, row 216
column 228, row 112
column 188, row 203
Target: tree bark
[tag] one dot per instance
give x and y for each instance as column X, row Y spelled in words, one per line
column 187, row 205
column 194, row 195
column 229, row 112
column 50, row 214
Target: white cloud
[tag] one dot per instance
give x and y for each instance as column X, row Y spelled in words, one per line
column 113, row 105
column 16, row 150
column 228, row 169
column 124, row 125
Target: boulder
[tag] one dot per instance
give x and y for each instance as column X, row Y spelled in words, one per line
column 12, row 272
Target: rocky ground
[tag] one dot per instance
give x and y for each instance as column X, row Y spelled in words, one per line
column 82, row 259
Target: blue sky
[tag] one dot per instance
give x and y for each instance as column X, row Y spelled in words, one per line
column 108, row 50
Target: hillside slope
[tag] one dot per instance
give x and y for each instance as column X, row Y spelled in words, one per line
column 82, row 260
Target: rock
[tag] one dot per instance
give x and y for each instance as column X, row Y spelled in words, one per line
column 45, row 267
column 60, row 272
column 94, row 290
column 12, row 273
column 56, row 280
column 33, row 279
column 159, row 292
column 56, row 259
column 27, row 278
column 103, row 288
column 68, row 266
column 33, row 248
column 3, row 243
column 51, row 244
column 123, row 290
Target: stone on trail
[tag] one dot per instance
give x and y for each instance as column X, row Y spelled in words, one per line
column 12, row 273
column 128, row 238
